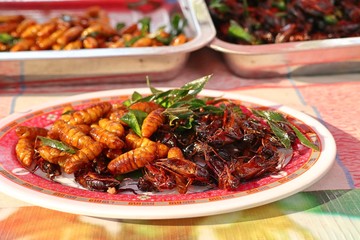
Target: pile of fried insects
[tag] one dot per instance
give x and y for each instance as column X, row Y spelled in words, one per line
column 170, row 139
column 90, row 30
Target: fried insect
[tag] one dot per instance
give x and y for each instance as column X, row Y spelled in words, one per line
column 31, row 31
column 52, row 170
column 106, row 137
column 23, row 45
column 175, row 152
column 22, row 26
column 117, row 114
column 112, row 153
column 112, row 126
column 134, row 141
column 25, row 146
column 82, row 157
column 179, row 40
column 88, row 115
column 73, row 136
column 69, row 35
column 185, row 170
column 47, row 43
column 133, row 159
column 152, row 122
column 25, row 151
column 30, row 132
column 53, row 155
column 145, row 106
column 145, row 151
column 96, row 182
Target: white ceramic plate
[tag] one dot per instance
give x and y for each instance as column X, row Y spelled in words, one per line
column 301, row 172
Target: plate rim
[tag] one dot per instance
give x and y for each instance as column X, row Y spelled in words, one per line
column 325, row 161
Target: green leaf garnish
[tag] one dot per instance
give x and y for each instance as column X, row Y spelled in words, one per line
column 56, row 144
column 219, row 5
column 132, row 41
column 330, row 19
column 6, row 38
column 279, row 4
column 280, row 134
column 303, row 139
column 270, row 115
column 133, row 175
column 119, row 26
column 235, row 30
column 276, row 117
column 134, row 118
column 170, row 97
column 145, row 25
column 178, row 23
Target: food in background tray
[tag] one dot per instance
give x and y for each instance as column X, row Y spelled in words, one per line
column 277, row 21
column 88, row 31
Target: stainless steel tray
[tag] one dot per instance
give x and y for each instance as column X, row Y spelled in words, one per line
column 331, row 56
column 119, row 64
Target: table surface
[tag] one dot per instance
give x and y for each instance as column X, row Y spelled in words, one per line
column 329, row 209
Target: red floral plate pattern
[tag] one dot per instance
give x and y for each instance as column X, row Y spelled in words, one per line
column 306, row 167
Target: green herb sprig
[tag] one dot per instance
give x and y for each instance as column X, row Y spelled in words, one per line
column 56, row 144
column 180, row 104
column 273, row 119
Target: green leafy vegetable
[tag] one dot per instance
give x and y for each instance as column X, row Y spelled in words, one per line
column 145, row 25
column 132, row 41
column 275, row 117
column 303, row 139
column 178, row 23
column 246, row 8
column 133, row 175
column 134, row 119
column 119, row 26
column 279, row 4
column 330, row 19
column 179, row 104
column 161, row 38
column 270, row 115
column 168, row 98
column 280, row 134
column 6, row 38
column 56, row 144
column 220, row 6
column 134, row 98
column 235, row 30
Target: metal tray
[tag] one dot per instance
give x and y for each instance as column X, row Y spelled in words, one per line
column 331, row 56
column 118, row 64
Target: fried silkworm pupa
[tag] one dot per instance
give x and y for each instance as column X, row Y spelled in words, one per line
column 133, row 159
column 112, row 126
column 152, row 122
column 147, row 107
column 82, row 157
column 134, row 141
column 175, row 152
column 117, row 114
column 25, row 152
column 145, row 151
column 111, row 140
column 30, row 132
column 88, row 115
column 53, row 155
column 71, row 135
